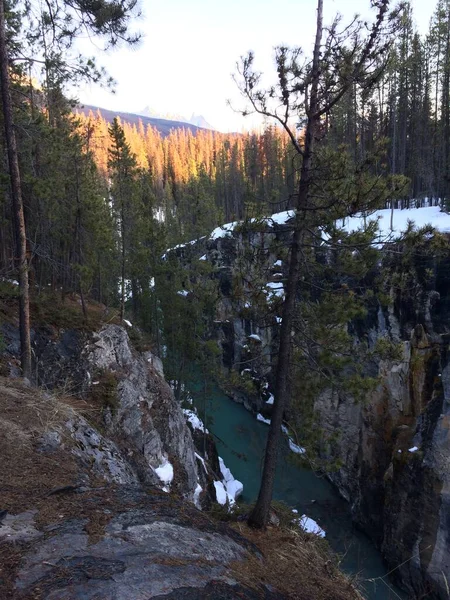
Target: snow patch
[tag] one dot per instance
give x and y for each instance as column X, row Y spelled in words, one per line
column 232, row 486
column 255, row 337
column 259, row 417
column 203, row 257
column 270, row 400
column 202, row 460
column 165, row 472
column 127, row 322
column 310, row 526
column 274, row 289
column 421, row 216
column 413, row 449
column 221, row 494
column 223, row 231
column 198, row 490
column 294, row 448
column 183, row 293
column 194, row 420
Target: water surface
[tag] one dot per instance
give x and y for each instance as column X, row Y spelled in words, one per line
column 241, row 439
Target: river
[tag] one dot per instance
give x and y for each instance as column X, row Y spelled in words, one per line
column 241, row 439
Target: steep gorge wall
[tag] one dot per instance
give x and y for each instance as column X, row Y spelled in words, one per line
column 394, row 446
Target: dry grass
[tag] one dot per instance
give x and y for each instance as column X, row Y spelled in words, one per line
column 297, row 564
column 26, row 473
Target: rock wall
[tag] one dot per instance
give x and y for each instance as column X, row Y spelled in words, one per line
column 143, row 416
column 395, row 448
column 395, row 445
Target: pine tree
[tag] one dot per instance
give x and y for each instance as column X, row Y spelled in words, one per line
column 122, row 167
column 311, row 89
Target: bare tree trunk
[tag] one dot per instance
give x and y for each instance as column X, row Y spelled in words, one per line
column 122, row 277
column 259, row 515
column 16, row 193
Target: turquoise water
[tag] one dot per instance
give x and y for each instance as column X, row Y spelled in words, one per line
column 241, row 439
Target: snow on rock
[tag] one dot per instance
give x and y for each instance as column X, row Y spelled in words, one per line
column 270, row 400
column 282, row 218
column 294, row 448
column 310, row 526
column 259, row 417
column 255, row 337
column 221, row 493
column 127, row 323
column 194, row 420
column 229, row 488
column 197, row 492
column 202, row 460
column 223, row 231
column 413, row 449
column 233, row 487
column 165, row 472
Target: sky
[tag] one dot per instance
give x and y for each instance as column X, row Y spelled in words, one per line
column 189, row 49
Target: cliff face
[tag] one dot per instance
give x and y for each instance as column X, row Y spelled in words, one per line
column 395, row 448
column 395, row 445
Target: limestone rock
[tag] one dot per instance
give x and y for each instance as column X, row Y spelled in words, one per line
column 146, row 421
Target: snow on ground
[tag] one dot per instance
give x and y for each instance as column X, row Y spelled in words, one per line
column 421, row 216
column 183, row 293
column 194, row 420
column 229, row 488
column 223, row 231
column 310, row 526
column 270, row 400
column 165, row 472
column 281, row 218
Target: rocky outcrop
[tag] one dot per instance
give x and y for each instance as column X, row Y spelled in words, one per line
column 145, row 437
column 127, row 544
column 140, row 411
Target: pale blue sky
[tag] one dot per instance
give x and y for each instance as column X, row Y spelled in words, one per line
column 190, row 48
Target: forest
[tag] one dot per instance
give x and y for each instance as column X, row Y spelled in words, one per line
column 111, row 222
column 87, row 185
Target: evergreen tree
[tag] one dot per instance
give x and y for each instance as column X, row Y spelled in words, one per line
column 350, row 56
column 122, row 165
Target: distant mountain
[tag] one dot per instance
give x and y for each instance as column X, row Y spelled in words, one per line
column 197, row 120
column 164, row 126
